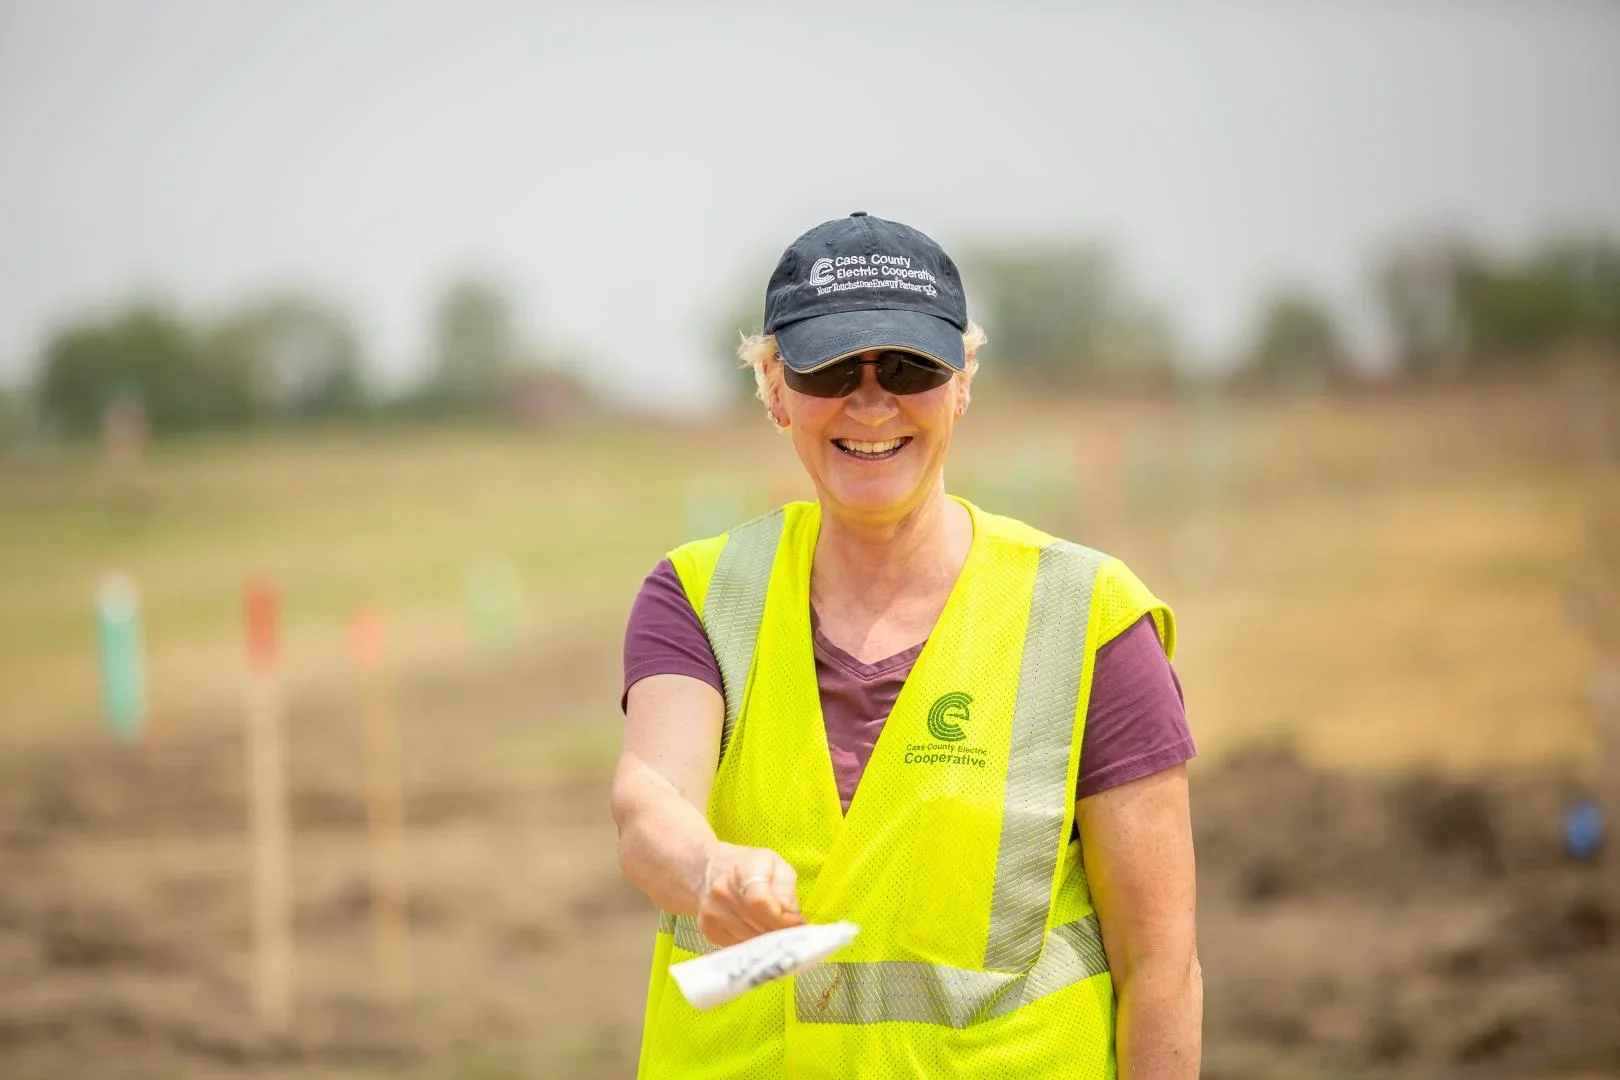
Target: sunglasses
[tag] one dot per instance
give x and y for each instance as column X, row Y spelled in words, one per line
column 897, row 372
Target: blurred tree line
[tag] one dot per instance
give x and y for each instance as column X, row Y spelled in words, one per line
column 1058, row 315
column 284, row 359
column 1450, row 303
column 1065, row 315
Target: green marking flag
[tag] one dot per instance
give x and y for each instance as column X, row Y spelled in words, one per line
column 118, row 625
column 495, row 600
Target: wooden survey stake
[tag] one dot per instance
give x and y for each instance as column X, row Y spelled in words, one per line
column 390, row 923
column 267, row 795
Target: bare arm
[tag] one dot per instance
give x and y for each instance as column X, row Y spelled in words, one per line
column 1137, row 842
column 666, row 846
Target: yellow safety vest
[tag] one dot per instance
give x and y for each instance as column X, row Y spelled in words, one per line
column 979, row 952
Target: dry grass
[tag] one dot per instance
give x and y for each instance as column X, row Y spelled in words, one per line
column 1379, row 578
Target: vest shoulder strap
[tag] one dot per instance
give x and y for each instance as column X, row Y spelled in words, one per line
column 1123, row 598
column 694, row 565
column 1120, row 596
column 726, row 578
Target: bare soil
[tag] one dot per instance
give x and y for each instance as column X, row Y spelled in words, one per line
column 1400, row 927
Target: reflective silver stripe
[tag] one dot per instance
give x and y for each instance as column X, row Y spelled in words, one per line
column 686, row 932
column 1037, row 794
column 905, row 991
column 735, row 607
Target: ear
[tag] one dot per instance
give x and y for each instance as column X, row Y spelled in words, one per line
column 773, row 405
column 964, row 392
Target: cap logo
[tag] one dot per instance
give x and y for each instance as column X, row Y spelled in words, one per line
column 877, row 271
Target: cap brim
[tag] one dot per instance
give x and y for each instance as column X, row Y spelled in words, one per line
column 825, row 339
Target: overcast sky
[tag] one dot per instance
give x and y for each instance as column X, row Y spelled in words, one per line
column 625, row 165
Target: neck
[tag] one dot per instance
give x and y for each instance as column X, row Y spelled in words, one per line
column 870, row 560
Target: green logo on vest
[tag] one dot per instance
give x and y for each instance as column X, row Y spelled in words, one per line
column 945, row 722
column 949, row 713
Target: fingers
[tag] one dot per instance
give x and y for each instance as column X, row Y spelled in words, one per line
column 785, row 889
column 769, row 900
column 754, row 906
column 721, row 915
column 747, row 892
column 724, row 917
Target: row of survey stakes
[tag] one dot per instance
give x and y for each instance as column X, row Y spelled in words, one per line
column 495, row 605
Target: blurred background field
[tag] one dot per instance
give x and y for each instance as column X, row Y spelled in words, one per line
column 435, row 326
column 1429, row 535
column 1370, row 586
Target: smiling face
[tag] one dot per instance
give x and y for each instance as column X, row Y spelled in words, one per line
column 873, row 455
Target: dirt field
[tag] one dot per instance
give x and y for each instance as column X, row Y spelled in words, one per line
column 1389, row 698
column 1409, row 927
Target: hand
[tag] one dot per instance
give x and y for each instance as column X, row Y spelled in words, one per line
column 746, row 891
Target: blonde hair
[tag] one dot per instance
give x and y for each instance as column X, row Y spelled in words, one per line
column 759, row 352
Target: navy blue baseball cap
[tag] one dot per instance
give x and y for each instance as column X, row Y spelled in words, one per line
column 859, row 282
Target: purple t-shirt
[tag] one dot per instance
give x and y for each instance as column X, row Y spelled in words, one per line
column 1136, row 723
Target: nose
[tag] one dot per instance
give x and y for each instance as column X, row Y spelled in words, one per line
column 870, row 404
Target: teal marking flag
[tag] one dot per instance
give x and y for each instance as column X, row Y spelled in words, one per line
column 118, row 625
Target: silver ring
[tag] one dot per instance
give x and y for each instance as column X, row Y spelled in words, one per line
column 742, row 889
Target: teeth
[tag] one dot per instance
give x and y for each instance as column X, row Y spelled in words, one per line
column 870, row 447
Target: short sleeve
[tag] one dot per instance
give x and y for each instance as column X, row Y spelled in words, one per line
column 664, row 636
column 1136, row 720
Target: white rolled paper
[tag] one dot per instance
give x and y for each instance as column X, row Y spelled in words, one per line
column 727, row 974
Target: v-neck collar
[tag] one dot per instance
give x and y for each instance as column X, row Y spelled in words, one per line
column 852, row 664
column 832, row 804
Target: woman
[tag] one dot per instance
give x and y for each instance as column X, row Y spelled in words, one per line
column 891, row 707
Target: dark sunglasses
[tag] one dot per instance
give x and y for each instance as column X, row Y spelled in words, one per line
column 897, row 372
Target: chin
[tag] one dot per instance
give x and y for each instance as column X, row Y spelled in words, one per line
column 873, row 498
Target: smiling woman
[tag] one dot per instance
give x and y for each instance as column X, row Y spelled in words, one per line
column 892, row 708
